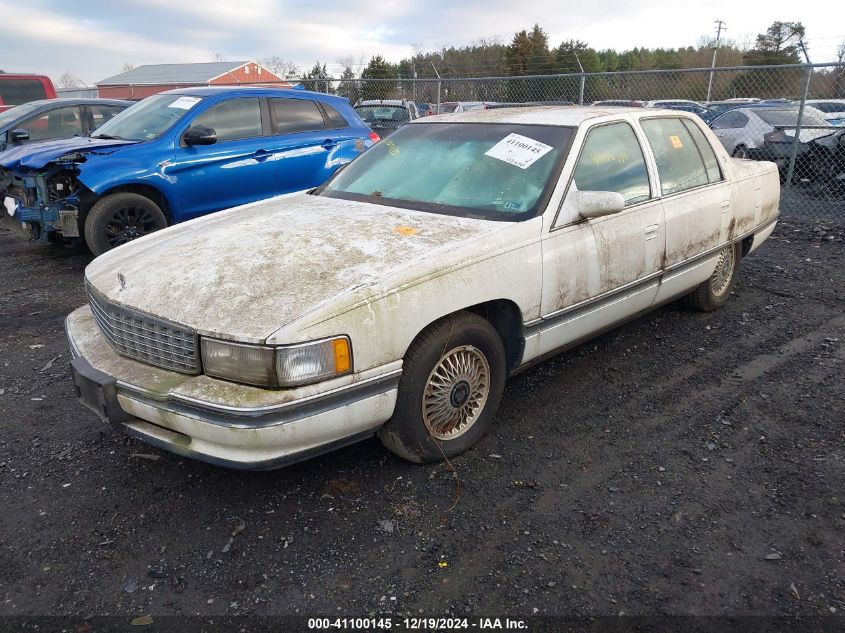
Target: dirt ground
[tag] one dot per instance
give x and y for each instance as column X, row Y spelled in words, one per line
column 685, row 463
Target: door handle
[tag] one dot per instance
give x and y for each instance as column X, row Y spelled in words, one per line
column 329, row 144
column 726, row 206
column 652, row 231
column 261, row 155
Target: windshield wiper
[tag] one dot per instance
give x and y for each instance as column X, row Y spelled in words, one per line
column 109, row 137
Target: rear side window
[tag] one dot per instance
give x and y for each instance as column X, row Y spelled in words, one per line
column 730, row 121
column 714, row 174
column 234, row 119
column 612, row 160
column 18, row 91
column 336, row 120
column 296, row 115
column 679, row 162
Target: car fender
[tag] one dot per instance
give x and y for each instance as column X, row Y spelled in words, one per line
column 104, row 176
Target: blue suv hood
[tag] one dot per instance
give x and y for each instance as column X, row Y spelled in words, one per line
column 36, row 155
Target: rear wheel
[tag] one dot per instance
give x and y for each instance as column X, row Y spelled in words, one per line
column 740, row 151
column 119, row 218
column 714, row 292
column 452, row 382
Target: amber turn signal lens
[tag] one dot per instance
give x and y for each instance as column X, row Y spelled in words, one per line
column 342, row 362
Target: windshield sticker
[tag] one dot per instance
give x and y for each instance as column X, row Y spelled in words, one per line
column 184, row 103
column 518, row 150
column 676, row 142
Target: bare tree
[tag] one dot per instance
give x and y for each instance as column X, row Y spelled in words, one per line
column 127, row 67
column 69, row 80
column 279, row 66
column 218, row 57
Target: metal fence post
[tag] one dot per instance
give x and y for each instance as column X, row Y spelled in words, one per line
column 439, row 82
column 581, row 93
column 797, row 138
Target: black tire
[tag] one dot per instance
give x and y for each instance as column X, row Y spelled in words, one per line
column 457, row 346
column 119, row 218
column 740, row 151
column 714, row 292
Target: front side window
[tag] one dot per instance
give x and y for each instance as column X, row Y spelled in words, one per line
column 233, row 119
column 679, row 163
column 58, row 123
column 296, row 115
column 102, row 114
column 480, row 170
column 612, row 160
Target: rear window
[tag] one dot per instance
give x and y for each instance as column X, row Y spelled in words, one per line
column 371, row 114
column 17, row 91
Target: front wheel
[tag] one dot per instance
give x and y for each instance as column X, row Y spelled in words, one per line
column 714, row 292
column 451, row 385
column 119, row 218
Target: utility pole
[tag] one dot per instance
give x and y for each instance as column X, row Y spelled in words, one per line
column 583, row 79
column 719, row 27
column 439, row 82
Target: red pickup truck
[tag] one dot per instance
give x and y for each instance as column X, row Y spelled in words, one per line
column 18, row 89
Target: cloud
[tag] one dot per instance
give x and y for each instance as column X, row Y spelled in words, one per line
column 94, row 39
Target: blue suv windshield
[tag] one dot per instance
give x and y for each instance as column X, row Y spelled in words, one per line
column 147, row 119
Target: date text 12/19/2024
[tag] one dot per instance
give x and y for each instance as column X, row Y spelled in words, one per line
column 416, row 624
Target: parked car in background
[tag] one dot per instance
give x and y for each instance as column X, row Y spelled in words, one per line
column 672, row 103
column 398, row 297
column 19, row 89
column 56, row 118
column 450, row 107
column 620, row 103
column 763, row 132
column 178, row 155
column 833, row 109
column 385, row 116
column 687, row 107
column 425, row 109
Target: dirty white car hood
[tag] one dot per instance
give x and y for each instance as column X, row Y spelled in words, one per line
column 242, row 274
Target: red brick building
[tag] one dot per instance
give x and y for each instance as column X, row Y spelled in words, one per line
column 151, row 79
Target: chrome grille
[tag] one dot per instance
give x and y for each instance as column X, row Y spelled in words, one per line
column 145, row 338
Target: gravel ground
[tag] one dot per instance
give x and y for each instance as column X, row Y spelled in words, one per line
column 685, row 463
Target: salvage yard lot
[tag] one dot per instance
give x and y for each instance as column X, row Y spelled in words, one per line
column 685, row 463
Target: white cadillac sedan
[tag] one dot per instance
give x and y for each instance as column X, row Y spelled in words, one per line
column 398, row 297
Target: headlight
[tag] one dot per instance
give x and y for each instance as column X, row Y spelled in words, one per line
column 287, row 366
column 252, row 364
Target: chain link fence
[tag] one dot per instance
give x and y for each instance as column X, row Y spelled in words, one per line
column 757, row 112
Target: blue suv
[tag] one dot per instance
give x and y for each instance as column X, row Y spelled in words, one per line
column 175, row 156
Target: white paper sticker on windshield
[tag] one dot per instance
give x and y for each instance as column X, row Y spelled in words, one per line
column 519, row 150
column 184, row 103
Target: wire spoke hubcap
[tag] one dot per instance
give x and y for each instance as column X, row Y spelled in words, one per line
column 456, row 392
column 724, row 271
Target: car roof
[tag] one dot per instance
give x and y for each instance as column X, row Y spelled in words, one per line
column 540, row 115
column 387, row 102
column 63, row 101
column 213, row 91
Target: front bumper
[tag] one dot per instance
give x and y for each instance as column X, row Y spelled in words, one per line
column 224, row 423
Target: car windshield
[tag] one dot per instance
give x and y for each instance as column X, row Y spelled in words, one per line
column 377, row 113
column 480, row 170
column 18, row 111
column 148, row 118
column 790, row 117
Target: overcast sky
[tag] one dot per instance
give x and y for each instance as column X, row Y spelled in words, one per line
column 93, row 40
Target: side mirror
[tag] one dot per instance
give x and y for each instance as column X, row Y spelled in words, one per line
column 200, row 135
column 18, row 136
column 597, row 204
